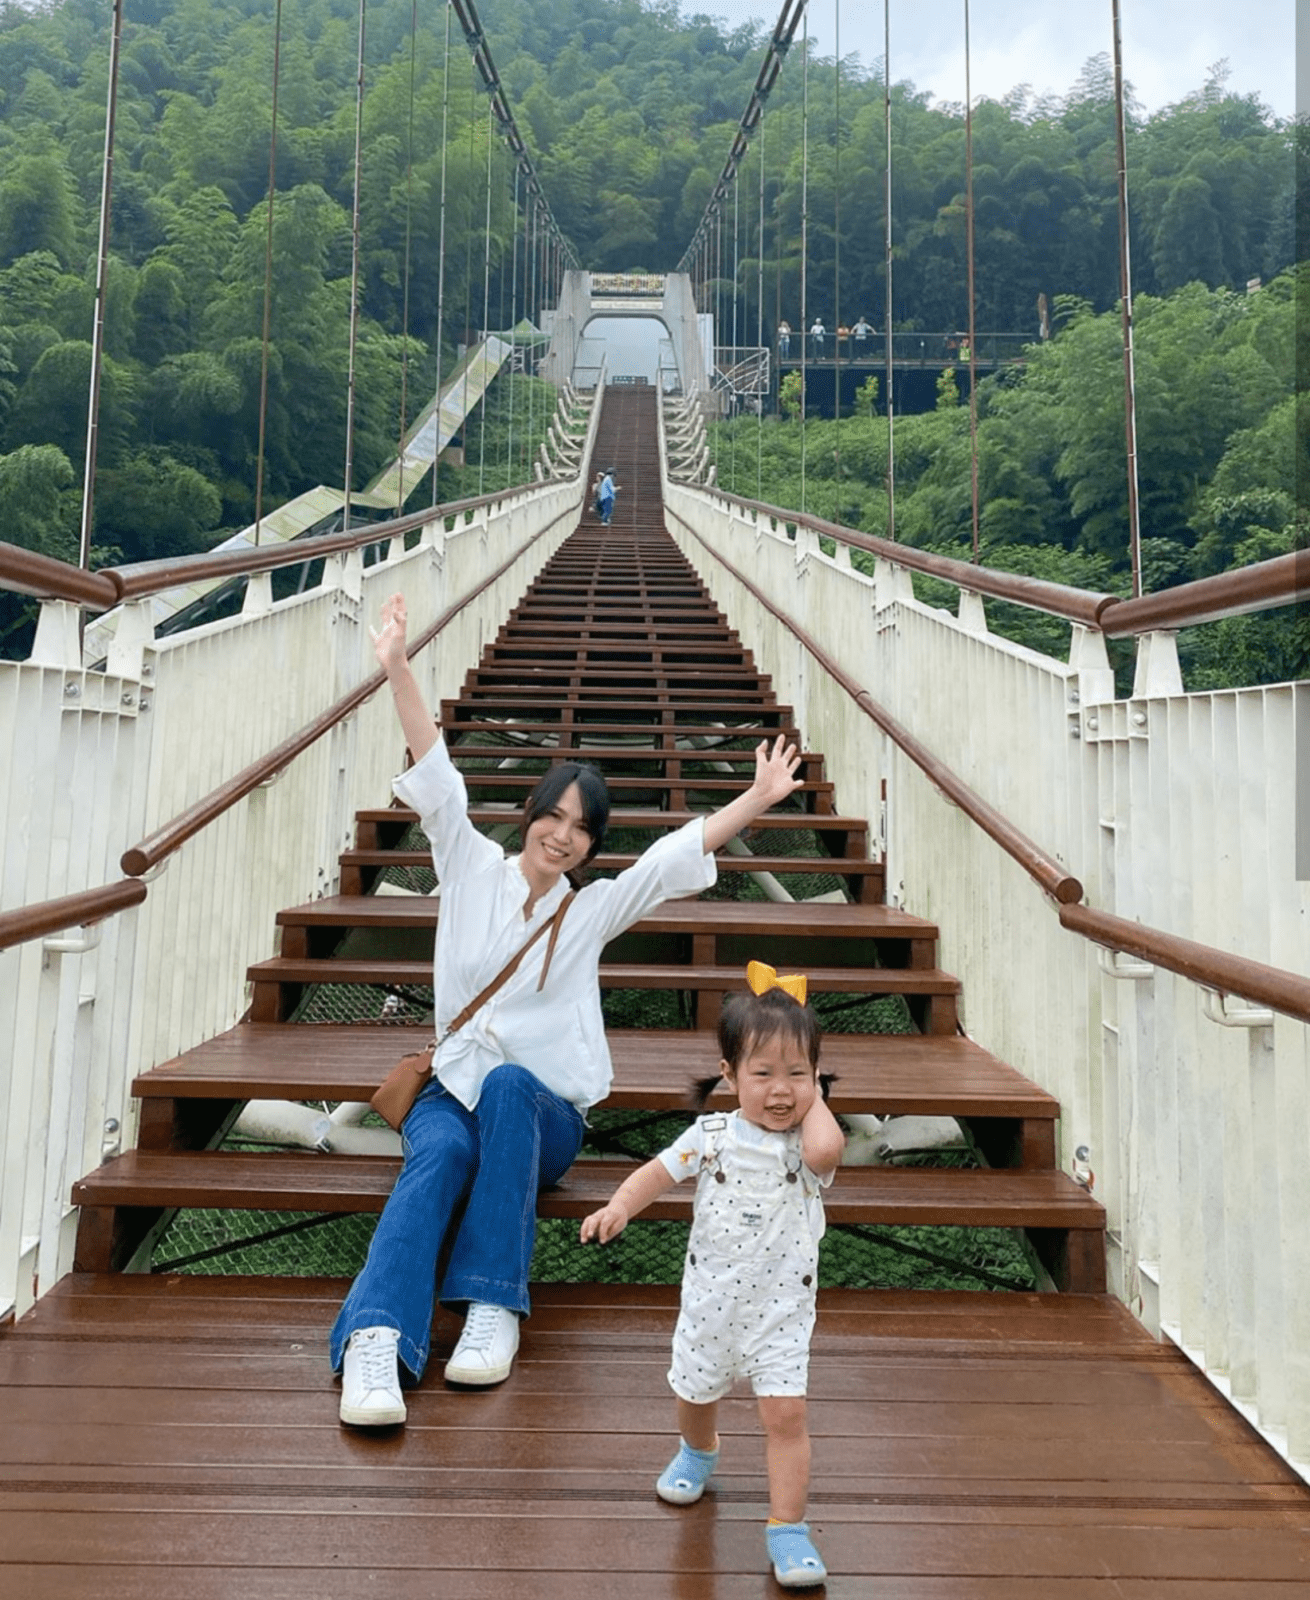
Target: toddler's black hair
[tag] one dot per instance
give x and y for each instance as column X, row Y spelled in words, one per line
column 592, row 792
column 750, row 1019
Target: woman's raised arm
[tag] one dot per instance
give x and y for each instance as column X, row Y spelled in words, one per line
column 416, row 721
column 774, row 780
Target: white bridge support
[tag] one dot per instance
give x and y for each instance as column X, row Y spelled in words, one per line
column 1173, row 809
column 100, row 760
column 674, row 307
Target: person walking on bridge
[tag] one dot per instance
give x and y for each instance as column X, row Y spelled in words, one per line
column 605, row 497
column 503, row 1113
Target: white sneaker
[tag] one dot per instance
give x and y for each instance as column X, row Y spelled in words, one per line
column 370, row 1379
column 486, row 1348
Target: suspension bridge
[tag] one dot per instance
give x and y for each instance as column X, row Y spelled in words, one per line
column 1056, row 932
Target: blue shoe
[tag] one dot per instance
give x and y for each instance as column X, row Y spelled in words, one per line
column 796, row 1563
column 685, row 1477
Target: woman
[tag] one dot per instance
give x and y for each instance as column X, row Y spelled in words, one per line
column 503, row 1114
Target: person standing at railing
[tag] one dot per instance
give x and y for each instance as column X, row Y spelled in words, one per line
column 817, row 333
column 863, row 331
column 502, row 1115
column 784, row 340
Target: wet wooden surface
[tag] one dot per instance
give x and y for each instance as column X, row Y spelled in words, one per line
column 177, row 1437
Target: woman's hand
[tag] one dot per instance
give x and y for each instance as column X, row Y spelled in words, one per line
column 775, row 779
column 775, row 771
column 606, row 1224
column 389, row 639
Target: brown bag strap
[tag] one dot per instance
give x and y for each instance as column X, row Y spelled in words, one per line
column 512, row 966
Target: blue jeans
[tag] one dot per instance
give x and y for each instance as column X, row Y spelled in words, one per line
column 472, row 1175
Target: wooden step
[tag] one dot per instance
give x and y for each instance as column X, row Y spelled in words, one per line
column 1010, row 1118
column 800, row 919
column 360, row 869
column 1044, row 1203
column 278, row 984
column 843, row 830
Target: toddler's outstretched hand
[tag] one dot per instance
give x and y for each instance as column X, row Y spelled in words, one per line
column 606, row 1224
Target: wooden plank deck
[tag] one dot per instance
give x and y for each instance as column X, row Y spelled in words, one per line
column 177, row 1437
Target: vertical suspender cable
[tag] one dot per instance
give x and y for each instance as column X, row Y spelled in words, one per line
column 805, row 238
column 887, row 314
column 500, row 317
column 968, row 229
column 1126, row 305
column 354, row 274
column 836, row 245
column 441, row 250
column 98, row 324
column 268, row 278
column 736, row 356
column 486, row 309
column 468, row 230
column 409, row 234
column 759, row 330
column 718, row 324
column 513, row 323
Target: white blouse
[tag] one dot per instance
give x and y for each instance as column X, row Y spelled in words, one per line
column 557, row 1034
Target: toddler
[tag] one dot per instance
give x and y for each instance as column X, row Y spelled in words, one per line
column 748, row 1287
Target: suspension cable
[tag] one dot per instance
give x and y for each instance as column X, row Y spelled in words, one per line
column 441, row 253
column 891, row 402
column 409, row 220
column 836, row 246
column 736, row 267
column 102, row 267
column 759, row 331
column 805, row 243
column 510, row 468
column 268, row 277
column 486, row 316
column 1126, row 305
column 968, row 228
column 354, row 274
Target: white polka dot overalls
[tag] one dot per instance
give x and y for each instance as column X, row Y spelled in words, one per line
column 752, row 1265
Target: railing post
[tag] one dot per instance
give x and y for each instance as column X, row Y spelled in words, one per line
column 1158, row 674
column 58, row 641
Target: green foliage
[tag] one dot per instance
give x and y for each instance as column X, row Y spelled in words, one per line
column 1218, row 439
column 628, row 109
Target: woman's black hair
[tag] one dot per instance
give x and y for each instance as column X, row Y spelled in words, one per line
column 749, row 1019
column 593, row 794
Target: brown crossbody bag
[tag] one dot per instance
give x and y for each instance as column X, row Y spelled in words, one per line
column 401, row 1086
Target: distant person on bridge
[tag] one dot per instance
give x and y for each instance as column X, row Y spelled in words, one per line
column 863, row 330
column 503, row 1113
column 817, row 333
column 748, row 1288
column 605, row 497
column 784, row 340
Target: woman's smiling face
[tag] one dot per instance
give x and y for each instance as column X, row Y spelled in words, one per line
column 557, row 840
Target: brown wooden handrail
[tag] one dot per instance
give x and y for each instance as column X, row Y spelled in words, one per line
column 149, row 852
column 1259, row 587
column 1043, row 869
column 150, row 577
column 27, row 572
column 1281, row 581
column 1212, row 969
column 1077, row 605
column 70, row 911
column 1282, row 991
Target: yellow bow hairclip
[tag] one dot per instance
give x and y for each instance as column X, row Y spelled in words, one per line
column 761, row 977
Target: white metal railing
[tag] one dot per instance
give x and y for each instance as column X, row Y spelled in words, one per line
column 1173, row 809
column 98, row 761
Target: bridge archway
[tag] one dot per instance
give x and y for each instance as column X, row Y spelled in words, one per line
column 597, row 320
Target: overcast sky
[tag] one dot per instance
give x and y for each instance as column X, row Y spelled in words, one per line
column 1169, row 45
